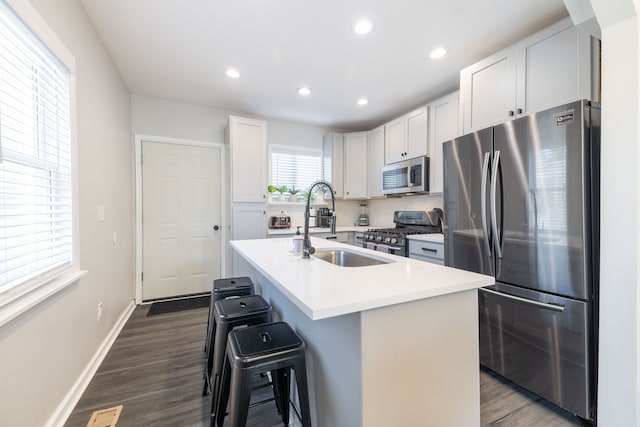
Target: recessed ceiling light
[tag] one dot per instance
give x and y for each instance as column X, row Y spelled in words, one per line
column 363, row 26
column 304, row 91
column 233, row 73
column 363, row 101
column 438, row 53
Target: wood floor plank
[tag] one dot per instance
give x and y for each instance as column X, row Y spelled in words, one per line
column 154, row 369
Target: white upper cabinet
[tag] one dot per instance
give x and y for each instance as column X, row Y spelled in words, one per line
column 406, row 137
column 355, row 170
column 333, row 161
column 395, row 140
column 443, row 126
column 375, row 162
column 417, row 133
column 552, row 67
column 248, row 143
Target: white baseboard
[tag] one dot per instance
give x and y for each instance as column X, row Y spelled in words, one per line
column 62, row 412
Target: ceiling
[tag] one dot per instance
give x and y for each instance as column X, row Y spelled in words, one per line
column 180, row 50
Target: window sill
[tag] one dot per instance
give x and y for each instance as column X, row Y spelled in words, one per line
column 21, row 304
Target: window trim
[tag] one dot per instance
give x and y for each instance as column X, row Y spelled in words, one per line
column 292, row 149
column 22, row 298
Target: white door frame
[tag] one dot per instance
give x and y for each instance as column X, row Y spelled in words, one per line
column 138, row 170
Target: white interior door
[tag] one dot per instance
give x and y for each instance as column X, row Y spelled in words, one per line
column 181, row 213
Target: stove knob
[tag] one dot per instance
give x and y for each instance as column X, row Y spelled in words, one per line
column 379, row 238
column 394, row 240
column 387, row 239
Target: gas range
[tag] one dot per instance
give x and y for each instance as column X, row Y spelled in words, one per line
column 394, row 240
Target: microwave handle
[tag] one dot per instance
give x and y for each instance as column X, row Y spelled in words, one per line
column 412, row 175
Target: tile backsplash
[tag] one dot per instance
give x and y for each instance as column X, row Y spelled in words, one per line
column 380, row 210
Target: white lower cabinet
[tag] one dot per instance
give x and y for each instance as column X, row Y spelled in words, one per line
column 249, row 221
column 432, row 252
column 342, row 237
column 356, row 238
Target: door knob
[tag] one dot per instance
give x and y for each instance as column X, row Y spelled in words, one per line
column 215, row 227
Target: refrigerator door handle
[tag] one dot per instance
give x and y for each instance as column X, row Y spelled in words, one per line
column 548, row 306
column 483, row 202
column 494, row 216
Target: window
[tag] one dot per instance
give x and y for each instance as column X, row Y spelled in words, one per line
column 295, row 167
column 35, row 158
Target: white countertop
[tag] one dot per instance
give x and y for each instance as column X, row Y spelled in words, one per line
column 433, row 237
column 323, row 290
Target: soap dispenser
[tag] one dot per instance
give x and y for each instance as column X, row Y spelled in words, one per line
column 297, row 242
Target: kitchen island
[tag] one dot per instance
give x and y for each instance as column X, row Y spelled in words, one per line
column 388, row 344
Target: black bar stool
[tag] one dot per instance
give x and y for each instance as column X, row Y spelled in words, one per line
column 222, row 288
column 255, row 350
column 229, row 314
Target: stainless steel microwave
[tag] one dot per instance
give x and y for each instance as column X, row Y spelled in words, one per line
column 408, row 176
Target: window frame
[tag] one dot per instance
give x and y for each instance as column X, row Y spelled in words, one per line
column 20, row 298
column 292, row 149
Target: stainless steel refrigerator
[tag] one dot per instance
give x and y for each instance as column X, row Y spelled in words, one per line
column 521, row 202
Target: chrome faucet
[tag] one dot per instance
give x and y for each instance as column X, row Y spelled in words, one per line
column 307, row 249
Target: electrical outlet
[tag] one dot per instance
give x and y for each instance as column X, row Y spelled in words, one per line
column 99, row 312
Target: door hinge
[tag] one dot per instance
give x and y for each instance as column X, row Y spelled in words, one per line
column 141, row 276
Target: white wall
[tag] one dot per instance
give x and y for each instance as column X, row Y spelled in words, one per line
column 619, row 370
column 158, row 117
column 44, row 351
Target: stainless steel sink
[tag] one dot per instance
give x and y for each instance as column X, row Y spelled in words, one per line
column 347, row 258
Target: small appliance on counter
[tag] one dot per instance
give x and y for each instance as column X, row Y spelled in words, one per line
column 281, row 221
column 363, row 219
column 323, row 217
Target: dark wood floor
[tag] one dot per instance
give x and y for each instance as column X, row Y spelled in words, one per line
column 154, row 370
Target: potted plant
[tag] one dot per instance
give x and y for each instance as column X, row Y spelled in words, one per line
column 284, row 192
column 297, row 194
column 272, row 191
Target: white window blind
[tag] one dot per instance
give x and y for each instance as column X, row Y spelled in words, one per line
column 35, row 162
column 295, row 167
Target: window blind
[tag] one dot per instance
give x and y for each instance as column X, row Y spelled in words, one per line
column 35, row 156
column 295, row 169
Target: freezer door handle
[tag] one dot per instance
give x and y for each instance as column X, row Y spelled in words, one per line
column 494, row 217
column 483, row 202
column 549, row 306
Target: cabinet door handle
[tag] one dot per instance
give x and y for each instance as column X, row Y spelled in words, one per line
column 511, row 113
column 519, row 110
column 430, row 250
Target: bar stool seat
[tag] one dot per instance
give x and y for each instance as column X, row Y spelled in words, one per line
column 229, row 314
column 222, row 288
column 254, row 350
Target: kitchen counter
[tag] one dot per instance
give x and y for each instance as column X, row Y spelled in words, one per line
column 320, row 289
column 389, row 344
